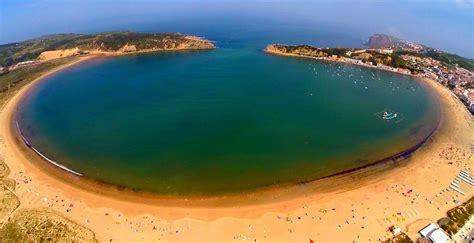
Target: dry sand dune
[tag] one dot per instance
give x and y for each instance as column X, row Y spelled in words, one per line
column 50, row 55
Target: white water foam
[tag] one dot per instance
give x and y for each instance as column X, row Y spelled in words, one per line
column 44, row 157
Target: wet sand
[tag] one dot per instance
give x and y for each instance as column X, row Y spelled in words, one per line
column 354, row 206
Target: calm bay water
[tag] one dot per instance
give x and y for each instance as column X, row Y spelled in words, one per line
column 222, row 121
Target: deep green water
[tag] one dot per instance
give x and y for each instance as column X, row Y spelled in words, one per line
column 221, row 121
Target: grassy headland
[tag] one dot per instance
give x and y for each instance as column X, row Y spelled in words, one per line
column 13, row 53
column 24, row 61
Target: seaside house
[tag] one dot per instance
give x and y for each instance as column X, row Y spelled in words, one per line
column 435, row 234
column 468, row 98
column 385, row 51
column 359, row 51
column 24, row 64
column 395, row 230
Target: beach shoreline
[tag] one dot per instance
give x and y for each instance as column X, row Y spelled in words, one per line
column 452, row 130
column 247, row 197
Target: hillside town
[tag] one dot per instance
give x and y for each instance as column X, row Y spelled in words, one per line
column 422, row 63
column 458, row 79
column 400, row 56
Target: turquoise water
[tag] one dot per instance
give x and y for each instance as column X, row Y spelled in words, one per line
column 222, row 121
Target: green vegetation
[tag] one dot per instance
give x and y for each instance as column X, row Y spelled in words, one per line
column 468, row 86
column 8, row 199
column 366, row 56
column 4, row 170
column 375, row 57
column 303, row 50
column 458, row 216
column 397, row 61
column 411, row 53
column 33, row 225
column 307, row 50
column 113, row 41
column 450, row 59
column 14, row 79
column 43, row 226
column 401, row 238
column 336, row 51
column 30, row 49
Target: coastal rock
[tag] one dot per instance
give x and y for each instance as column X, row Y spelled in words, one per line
column 378, row 41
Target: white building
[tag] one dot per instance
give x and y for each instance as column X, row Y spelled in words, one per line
column 385, row 51
column 468, row 98
column 396, row 230
column 25, row 64
column 435, row 234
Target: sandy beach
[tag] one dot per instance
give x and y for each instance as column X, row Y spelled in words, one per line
column 356, row 206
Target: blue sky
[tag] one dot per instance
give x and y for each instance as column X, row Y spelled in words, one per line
column 443, row 24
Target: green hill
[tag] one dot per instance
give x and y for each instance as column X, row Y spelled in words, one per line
column 450, row 59
column 112, row 41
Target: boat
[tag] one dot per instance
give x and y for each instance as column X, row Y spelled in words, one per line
column 389, row 115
